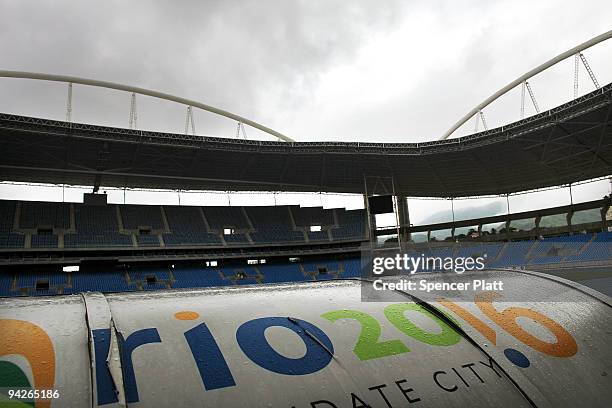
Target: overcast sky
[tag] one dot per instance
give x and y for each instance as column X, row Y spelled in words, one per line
column 313, row 70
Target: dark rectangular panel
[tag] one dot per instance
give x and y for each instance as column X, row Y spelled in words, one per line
column 381, row 204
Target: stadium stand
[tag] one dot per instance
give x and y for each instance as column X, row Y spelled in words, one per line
column 36, row 214
column 556, row 250
column 599, row 248
column 187, row 227
column 44, row 241
column 9, row 238
column 306, row 217
column 99, row 281
column 39, row 227
column 351, row 224
column 513, row 254
column 96, row 227
column 226, row 217
column 135, row 217
column 65, row 225
column 244, row 275
column 147, row 240
column 272, row 225
column 191, row 277
column 230, row 219
column 284, row 273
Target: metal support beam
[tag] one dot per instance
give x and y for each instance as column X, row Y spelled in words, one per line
column 403, row 217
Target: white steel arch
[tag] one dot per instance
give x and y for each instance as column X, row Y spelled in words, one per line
column 142, row 91
column 587, row 44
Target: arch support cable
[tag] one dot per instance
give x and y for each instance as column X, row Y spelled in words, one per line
column 69, row 104
column 532, row 96
column 484, row 122
column 240, row 130
column 142, row 91
column 589, row 70
column 576, row 68
column 480, row 117
column 133, row 115
column 523, row 100
column 189, row 122
column 526, row 76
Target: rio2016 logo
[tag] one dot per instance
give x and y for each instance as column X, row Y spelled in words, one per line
column 215, row 372
column 25, row 339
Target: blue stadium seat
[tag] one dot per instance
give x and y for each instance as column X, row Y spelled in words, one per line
column 600, row 248
column 44, row 214
column 272, row 225
column 314, row 236
column 304, row 217
column 290, row 272
column 226, row 217
column 44, row 241
column 7, row 216
column 194, row 277
column 236, row 239
column 187, row 227
column 351, row 225
column 96, row 227
column 6, row 283
column 99, row 282
column 135, row 216
column 147, row 240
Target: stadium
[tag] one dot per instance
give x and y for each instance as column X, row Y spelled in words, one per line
column 115, row 304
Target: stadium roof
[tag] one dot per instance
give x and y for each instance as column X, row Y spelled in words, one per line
column 567, row 144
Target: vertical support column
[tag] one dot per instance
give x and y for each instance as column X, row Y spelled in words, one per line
column 568, row 218
column 508, row 233
column 371, row 218
column 384, row 186
column 404, row 217
column 604, row 213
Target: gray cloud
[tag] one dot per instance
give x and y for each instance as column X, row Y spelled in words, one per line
column 229, row 54
column 267, row 60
